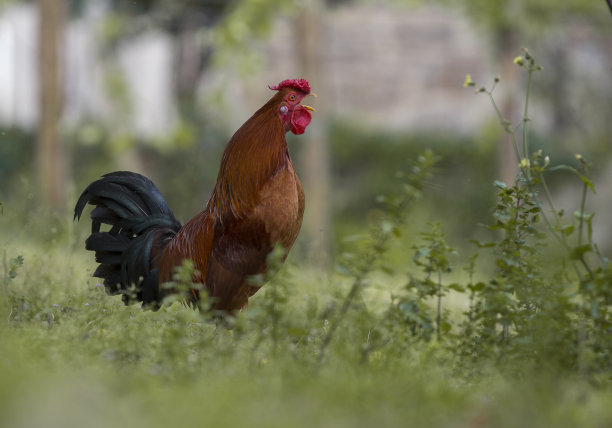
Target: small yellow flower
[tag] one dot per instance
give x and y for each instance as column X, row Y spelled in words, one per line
column 519, row 60
column 468, row 81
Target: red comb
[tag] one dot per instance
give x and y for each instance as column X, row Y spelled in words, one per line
column 299, row 84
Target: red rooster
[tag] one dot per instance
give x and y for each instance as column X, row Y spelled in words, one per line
column 257, row 202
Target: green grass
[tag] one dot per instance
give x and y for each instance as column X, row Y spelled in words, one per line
column 72, row 356
column 353, row 349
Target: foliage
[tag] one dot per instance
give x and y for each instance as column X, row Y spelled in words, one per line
column 524, row 310
column 358, row 181
column 246, row 22
column 182, row 285
column 10, row 270
column 375, row 244
column 433, row 258
column 16, row 148
column 524, row 16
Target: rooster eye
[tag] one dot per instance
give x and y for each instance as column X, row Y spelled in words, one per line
column 292, row 97
column 284, row 109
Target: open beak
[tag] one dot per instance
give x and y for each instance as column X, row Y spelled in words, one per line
column 312, row 94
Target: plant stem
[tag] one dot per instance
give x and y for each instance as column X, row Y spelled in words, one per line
column 581, row 219
column 548, row 197
column 506, row 124
column 581, row 226
column 5, row 279
column 346, row 304
column 525, row 116
column 376, row 251
column 439, row 315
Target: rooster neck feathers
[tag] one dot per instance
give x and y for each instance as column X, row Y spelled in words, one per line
column 256, row 152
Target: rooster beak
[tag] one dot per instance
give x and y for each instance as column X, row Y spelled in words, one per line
column 312, row 94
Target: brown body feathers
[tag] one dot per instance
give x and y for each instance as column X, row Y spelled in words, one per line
column 257, row 201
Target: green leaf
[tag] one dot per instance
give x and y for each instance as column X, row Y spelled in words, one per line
column 567, row 230
column 386, row 269
column 456, row 287
column 482, row 244
column 475, row 288
column 500, row 185
column 297, row 332
column 578, row 252
column 590, row 227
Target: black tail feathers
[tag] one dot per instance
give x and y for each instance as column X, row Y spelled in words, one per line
column 141, row 225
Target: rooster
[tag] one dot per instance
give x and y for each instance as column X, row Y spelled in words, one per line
column 257, row 203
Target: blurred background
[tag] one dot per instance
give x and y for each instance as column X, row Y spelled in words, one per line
column 159, row 86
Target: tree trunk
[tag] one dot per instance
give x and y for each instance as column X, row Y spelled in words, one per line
column 315, row 155
column 50, row 153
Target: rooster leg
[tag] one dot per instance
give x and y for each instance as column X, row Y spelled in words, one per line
column 230, row 290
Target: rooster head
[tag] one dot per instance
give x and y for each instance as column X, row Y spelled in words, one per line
column 295, row 116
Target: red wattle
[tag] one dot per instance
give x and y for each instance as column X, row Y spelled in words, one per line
column 300, row 119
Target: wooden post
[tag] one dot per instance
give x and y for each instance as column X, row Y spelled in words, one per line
column 50, row 152
column 315, row 154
